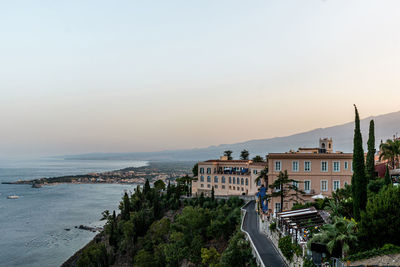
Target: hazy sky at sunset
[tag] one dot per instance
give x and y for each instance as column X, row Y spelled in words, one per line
column 118, row 76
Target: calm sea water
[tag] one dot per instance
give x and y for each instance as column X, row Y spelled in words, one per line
column 32, row 228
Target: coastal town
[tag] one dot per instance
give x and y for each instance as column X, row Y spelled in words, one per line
column 153, row 171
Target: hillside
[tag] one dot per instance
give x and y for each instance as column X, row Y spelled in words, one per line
column 386, row 126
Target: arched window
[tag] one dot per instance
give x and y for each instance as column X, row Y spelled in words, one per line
column 242, row 181
column 230, row 179
column 223, row 179
column 247, row 181
column 202, row 178
column 323, row 145
column 238, row 180
column 234, row 180
column 208, row 179
column 216, row 179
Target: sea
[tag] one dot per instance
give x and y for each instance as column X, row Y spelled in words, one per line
column 39, row 228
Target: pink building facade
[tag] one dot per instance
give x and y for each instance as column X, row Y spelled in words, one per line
column 228, row 177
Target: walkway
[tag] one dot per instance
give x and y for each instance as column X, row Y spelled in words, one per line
column 265, row 248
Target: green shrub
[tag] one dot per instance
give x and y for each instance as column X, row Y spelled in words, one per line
column 385, row 250
column 380, row 222
column 272, row 226
column 308, row 263
column 286, row 246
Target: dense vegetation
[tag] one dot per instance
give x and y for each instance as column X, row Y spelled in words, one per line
column 364, row 216
column 157, row 228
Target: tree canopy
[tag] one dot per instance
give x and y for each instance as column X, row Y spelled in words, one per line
column 244, row 154
column 228, row 153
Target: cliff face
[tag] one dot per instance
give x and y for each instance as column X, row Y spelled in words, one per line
column 385, row 127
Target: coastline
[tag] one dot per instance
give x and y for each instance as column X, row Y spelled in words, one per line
column 132, row 175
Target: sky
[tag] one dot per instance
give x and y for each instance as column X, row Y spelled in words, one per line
column 131, row 76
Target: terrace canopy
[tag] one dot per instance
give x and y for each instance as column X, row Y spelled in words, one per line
column 297, row 222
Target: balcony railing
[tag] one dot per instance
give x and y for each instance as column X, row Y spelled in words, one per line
column 233, row 172
column 309, row 192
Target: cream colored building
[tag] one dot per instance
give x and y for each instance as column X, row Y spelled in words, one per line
column 228, row 177
column 317, row 170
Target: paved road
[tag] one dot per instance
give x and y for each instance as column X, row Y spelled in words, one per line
column 265, row 248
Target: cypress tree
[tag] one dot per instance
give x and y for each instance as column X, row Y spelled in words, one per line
column 126, row 208
column 358, row 180
column 169, row 190
column 370, row 164
column 146, row 187
column 212, row 194
column 388, row 180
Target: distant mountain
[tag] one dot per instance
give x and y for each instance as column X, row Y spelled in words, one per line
column 385, row 127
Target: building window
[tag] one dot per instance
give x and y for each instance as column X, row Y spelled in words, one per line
column 324, row 166
column 336, row 185
column 223, row 179
column 295, row 184
column 208, row 179
column 336, row 166
column 295, row 166
column 216, row 186
column 346, row 165
column 307, row 166
column 277, row 207
column 234, row 180
column 215, row 179
column 208, row 170
column 307, row 185
column 242, row 189
column 259, row 182
column 255, row 171
column 230, row 179
column 238, row 188
column 278, row 166
column 201, row 170
column 247, row 181
column 324, row 185
column 202, row 185
column 237, row 180
column 234, row 188
column 223, row 186
column 242, row 181
column 208, row 185
column 202, row 178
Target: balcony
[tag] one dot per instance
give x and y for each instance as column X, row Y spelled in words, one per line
column 309, row 192
column 229, row 172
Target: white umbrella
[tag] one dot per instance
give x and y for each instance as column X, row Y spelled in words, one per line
column 319, row 196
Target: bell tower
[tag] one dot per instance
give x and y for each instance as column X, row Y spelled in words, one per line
column 325, row 145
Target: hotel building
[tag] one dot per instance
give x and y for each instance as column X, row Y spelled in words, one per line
column 228, row 177
column 318, row 171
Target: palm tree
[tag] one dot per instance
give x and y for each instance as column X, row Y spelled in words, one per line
column 263, row 176
column 244, row 155
column 228, row 154
column 339, row 235
column 390, row 150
